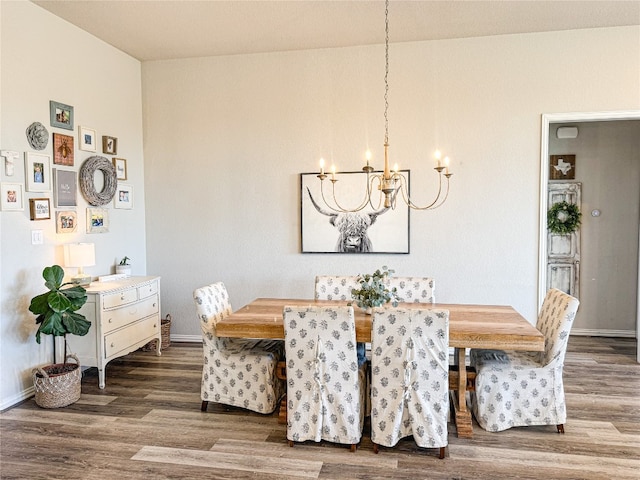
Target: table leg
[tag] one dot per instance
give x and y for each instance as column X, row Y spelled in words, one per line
column 459, row 398
column 281, row 373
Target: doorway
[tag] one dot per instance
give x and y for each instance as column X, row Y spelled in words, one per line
column 603, row 271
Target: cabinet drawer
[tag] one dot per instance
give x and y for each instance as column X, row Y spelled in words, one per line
column 114, row 300
column 147, row 290
column 120, row 317
column 123, row 339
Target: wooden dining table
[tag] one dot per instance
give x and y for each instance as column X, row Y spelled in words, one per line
column 470, row 326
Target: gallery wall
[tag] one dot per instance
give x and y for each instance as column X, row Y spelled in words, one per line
column 45, row 58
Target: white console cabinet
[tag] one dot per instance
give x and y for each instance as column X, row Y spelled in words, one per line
column 124, row 316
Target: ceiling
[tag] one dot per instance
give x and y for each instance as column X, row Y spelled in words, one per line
column 171, row 29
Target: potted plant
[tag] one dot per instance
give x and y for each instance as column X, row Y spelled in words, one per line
column 124, row 266
column 58, row 384
column 373, row 291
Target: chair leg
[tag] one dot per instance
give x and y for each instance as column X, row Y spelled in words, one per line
column 203, row 407
column 560, row 428
column 375, row 448
column 441, row 456
column 353, row 447
column 290, row 443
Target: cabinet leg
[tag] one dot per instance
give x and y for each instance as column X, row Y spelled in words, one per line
column 101, row 379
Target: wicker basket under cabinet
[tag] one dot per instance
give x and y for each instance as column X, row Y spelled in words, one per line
column 55, row 390
column 165, row 334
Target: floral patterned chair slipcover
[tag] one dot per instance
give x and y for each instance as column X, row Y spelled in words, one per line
column 410, row 377
column 325, row 385
column 413, row 289
column 516, row 389
column 335, row 287
column 236, row 372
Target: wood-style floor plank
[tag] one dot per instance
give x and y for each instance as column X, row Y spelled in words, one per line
column 147, row 424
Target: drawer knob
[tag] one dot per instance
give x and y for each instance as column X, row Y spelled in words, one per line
column 122, row 297
column 155, row 325
column 113, row 345
column 111, row 320
column 154, row 305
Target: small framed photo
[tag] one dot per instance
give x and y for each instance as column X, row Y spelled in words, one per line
column 63, row 149
column 39, row 208
column 61, row 115
column 65, row 183
column 66, row 222
column 38, row 172
column 97, row 220
column 12, row 197
column 562, row 167
column 109, row 145
column 87, row 139
column 123, row 197
column 121, row 168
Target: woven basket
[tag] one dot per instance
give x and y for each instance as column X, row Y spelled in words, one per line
column 165, row 334
column 57, row 390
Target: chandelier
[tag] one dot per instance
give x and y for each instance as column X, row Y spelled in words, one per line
column 390, row 182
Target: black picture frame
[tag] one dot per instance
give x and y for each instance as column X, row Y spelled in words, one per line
column 322, row 230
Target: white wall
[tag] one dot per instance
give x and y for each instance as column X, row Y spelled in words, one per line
column 608, row 166
column 44, row 58
column 226, row 139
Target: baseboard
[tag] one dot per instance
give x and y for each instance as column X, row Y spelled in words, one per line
column 186, row 338
column 597, row 332
column 21, row 397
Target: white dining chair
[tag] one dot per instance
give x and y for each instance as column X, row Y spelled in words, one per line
column 325, row 385
column 413, row 289
column 236, row 372
column 516, row 389
column 410, row 377
column 335, row 287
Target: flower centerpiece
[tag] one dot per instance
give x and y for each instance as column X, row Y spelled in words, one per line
column 373, row 291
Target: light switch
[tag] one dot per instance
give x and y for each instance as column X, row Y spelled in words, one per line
column 36, row 237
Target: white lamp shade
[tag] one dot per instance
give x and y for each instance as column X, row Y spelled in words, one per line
column 79, row 255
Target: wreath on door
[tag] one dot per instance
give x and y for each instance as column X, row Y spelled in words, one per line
column 563, row 218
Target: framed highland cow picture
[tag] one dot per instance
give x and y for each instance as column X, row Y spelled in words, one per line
column 325, row 229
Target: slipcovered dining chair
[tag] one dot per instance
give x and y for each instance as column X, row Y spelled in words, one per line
column 413, row 289
column 410, row 377
column 325, row 385
column 515, row 389
column 338, row 287
column 236, row 372
column 335, row 287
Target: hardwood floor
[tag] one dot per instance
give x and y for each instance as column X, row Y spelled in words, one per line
column 147, row 424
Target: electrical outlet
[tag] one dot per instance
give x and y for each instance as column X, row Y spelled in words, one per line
column 36, row 237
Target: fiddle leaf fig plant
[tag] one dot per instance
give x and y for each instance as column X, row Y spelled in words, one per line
column 373, row 291
column 56, row 309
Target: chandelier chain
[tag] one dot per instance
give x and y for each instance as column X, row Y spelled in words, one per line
column 386, row 73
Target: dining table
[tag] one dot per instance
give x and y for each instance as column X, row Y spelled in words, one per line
column 498, row 327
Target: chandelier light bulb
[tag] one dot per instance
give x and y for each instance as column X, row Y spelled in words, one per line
column 322, row 166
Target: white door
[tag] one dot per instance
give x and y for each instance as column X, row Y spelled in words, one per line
column 563, row 251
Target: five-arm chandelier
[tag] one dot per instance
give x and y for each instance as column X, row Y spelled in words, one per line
column 389, row 183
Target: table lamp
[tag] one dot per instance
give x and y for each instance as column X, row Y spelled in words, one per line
column 80, row 255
